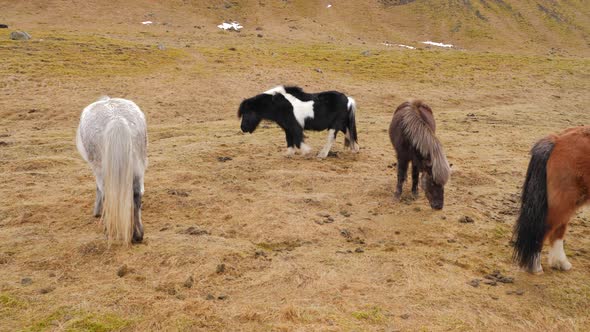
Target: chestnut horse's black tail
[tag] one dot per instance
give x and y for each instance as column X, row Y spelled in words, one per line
column 531, row 226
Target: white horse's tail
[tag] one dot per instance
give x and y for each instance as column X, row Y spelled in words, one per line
column 117, row 166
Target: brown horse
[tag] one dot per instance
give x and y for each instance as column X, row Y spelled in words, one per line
column 557, row 184
column 412, row 134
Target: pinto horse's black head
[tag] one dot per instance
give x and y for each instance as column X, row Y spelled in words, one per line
column 435, row 192
column 252, row 109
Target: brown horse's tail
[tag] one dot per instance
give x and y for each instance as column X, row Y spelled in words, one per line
column 531, row 226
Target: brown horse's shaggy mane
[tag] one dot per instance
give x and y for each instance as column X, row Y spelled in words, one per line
column 418, row 125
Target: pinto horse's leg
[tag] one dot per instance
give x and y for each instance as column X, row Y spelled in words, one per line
column 402, row 173
column 331, row 138
column 347, row 138
column 290, row 145
column 415, row 178
column 137, row 224
column 297, row 136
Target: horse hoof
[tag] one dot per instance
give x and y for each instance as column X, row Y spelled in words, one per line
column 322, row 155
column 290, row 152
column 561, row 265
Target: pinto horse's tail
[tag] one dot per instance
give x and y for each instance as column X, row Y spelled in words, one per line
column 117, row 167
column 351, row 139
column 531, row 226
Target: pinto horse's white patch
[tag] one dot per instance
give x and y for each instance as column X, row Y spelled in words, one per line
column 301, row 109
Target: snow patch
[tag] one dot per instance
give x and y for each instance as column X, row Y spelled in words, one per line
column 437, row 44
column 147, row 22
column 230, row 26
column 400, row 45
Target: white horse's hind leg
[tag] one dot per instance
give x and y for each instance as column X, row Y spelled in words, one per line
column 331, row 137
column 557, row 258
column 99, row 194
column 98, row 203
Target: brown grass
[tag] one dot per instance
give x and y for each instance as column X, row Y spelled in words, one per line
column 263, row 216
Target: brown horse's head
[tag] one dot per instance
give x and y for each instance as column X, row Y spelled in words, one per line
column 435, row 192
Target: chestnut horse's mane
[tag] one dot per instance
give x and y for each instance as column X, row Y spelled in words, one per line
column 418, row 125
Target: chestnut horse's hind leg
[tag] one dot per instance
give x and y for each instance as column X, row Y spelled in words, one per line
column 562, row 207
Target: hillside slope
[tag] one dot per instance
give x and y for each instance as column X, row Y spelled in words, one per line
column 529, row 26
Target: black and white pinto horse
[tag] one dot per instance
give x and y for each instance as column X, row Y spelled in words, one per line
column 295, row 111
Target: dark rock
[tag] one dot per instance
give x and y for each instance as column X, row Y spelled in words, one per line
column 46, row 290
column 189, row 282
column 404, row 316
column 210, row 297
column 195, row 231
column 466, row 220
column 175, row 192
column 220, row 268
column 3, row 26
column 359, row 250
column 122, row 271
column 222, row 297
column 474, row 282
column 26, row 281
column 224, row 159
column 259, row 35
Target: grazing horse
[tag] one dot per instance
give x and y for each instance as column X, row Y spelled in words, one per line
column 557, row 184
column 412, row 134
column 112, row 138
column 294, row 110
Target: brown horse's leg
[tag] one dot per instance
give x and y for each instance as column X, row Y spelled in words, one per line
column 402, row 173
column 415, row 178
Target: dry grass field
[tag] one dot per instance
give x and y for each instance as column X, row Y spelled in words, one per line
column 239, row 237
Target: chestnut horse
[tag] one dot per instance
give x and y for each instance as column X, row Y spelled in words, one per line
column 557, row 184
column 412, row 134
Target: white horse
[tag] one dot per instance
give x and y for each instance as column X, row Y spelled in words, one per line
column 112, row 138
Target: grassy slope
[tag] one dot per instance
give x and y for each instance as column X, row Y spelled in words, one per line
column 47, row 235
